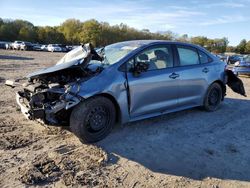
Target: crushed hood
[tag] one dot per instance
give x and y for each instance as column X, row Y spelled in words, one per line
column 80, row 56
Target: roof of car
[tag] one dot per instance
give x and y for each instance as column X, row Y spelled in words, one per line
column 145, row 43
column 148, row 42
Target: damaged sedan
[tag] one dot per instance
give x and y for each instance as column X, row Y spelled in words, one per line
column 93, row 90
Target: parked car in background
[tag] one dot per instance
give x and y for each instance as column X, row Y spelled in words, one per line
column 222, row 57
column 69, row 48
column 63, row 47
column 8, row 45
column 124, row 82
column 44, row 47
column 234, row 58
column 37, row 47
column 242, row 67
column 54, row 48
column 2, row 44
column 16, row 45
column 26, row 46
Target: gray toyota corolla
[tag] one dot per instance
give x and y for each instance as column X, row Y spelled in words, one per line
column 92, row 90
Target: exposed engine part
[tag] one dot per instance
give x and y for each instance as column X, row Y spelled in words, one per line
column 47, row 97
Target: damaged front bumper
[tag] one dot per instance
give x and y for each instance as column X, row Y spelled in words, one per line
column 48, row 114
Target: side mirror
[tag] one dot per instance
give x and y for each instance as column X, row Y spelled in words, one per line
column 139, row 68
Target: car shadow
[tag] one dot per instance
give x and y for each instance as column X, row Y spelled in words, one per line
column 2, row 80
column 15, row 57
column 191, row 143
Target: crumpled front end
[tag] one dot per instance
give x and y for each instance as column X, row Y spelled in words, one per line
column 49, row 94
column 50, row 105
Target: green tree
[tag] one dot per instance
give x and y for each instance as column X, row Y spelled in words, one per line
column 49, row 35
column 247, row 47
column 27, row 34
column 200, row 40
column 71, row 29
column 184, row 38
column 230, row 49
column 91, row 31
column 241, row 46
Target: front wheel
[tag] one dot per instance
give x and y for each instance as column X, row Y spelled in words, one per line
column 213, row 97
column 93, row 119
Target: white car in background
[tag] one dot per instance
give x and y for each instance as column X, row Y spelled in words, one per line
column 44, row 47
column 54, row 48
column 16, row 45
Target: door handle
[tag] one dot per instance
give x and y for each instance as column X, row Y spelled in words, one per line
column 205, row 70
column 174, row 75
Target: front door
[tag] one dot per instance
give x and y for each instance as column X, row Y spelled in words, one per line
column 156, row 89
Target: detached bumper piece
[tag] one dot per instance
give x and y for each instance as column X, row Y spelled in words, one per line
column 235, row 83
column 24, row 107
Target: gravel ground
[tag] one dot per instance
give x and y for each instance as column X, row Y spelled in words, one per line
column 191, row 148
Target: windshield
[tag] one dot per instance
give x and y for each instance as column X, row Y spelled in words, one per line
column 111, row 53
column 114, row 52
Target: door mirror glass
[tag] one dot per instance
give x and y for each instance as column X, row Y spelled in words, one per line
column 139, row 68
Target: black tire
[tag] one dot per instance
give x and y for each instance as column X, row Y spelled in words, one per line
column 213, row 97
column 93, row 119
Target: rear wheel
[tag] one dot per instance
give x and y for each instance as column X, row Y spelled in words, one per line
column 93, row 119
column 213, row 97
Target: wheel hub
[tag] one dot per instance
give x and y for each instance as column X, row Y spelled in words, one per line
column 213, row 97
column 98, row 119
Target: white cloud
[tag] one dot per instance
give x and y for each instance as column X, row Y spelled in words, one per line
column 225, row 20
column 225, row 4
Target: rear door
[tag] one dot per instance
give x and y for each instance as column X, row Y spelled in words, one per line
column 153, row 91
column 193, row 76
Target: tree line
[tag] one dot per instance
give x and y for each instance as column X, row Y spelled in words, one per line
column 74, row 32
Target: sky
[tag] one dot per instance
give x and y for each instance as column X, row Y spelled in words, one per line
column 211, row 18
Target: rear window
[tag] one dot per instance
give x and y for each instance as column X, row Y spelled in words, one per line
column 204, row 58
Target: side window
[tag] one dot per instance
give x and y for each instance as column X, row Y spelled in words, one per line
column 204, row 58
column 157, row 57
column 187, row 55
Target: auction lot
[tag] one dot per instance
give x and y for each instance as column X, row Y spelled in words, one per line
column 192, row 148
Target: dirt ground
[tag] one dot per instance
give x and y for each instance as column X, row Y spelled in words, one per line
column 191, row 148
